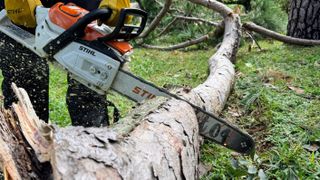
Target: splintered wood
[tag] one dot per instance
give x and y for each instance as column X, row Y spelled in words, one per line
column 21, row 141
column 37, row 132
column 12, row 153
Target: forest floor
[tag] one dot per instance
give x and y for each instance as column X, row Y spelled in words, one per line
column 276, row 99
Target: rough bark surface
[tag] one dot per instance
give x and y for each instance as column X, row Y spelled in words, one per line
column 304, row 19
column 165, row 145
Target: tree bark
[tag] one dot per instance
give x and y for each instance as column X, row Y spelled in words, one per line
column 304, row 19
column 157, row 140
column 245, row 3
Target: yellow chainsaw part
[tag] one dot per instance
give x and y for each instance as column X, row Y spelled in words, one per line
column 116, row 6
column 22, row 12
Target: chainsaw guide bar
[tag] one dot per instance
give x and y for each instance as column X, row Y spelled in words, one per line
column 211, row 127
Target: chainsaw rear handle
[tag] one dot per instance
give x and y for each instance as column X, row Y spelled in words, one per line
column 127, row 31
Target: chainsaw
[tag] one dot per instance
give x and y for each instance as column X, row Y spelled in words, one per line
column 94, row 55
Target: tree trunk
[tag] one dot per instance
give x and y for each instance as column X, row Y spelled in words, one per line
column 304, row 19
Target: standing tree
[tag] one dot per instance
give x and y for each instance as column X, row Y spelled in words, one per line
column 304, row 19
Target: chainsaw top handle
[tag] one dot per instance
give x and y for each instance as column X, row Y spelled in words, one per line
column 121, row 31
column 78, row 28
column 127, row 31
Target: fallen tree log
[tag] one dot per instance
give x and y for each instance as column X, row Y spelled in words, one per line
column 157, row 140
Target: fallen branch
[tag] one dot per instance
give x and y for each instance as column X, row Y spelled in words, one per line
column 274, row 35
column 171, row 8
column 166, row 29
column 157, row 19
column 180, row 45
column 176, row 18
column 254, row 41
column 196, row 19
column 218, row 32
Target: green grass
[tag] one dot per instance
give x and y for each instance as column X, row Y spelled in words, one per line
column 171, row 68
column 57, row 93
column 281, row 120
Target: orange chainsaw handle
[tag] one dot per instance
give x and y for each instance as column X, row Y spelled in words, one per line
column 78, row 28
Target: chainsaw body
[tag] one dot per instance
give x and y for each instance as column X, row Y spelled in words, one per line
column 94, row 56
column 92, row 67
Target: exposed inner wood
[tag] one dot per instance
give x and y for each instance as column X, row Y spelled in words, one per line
column 21, row 141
